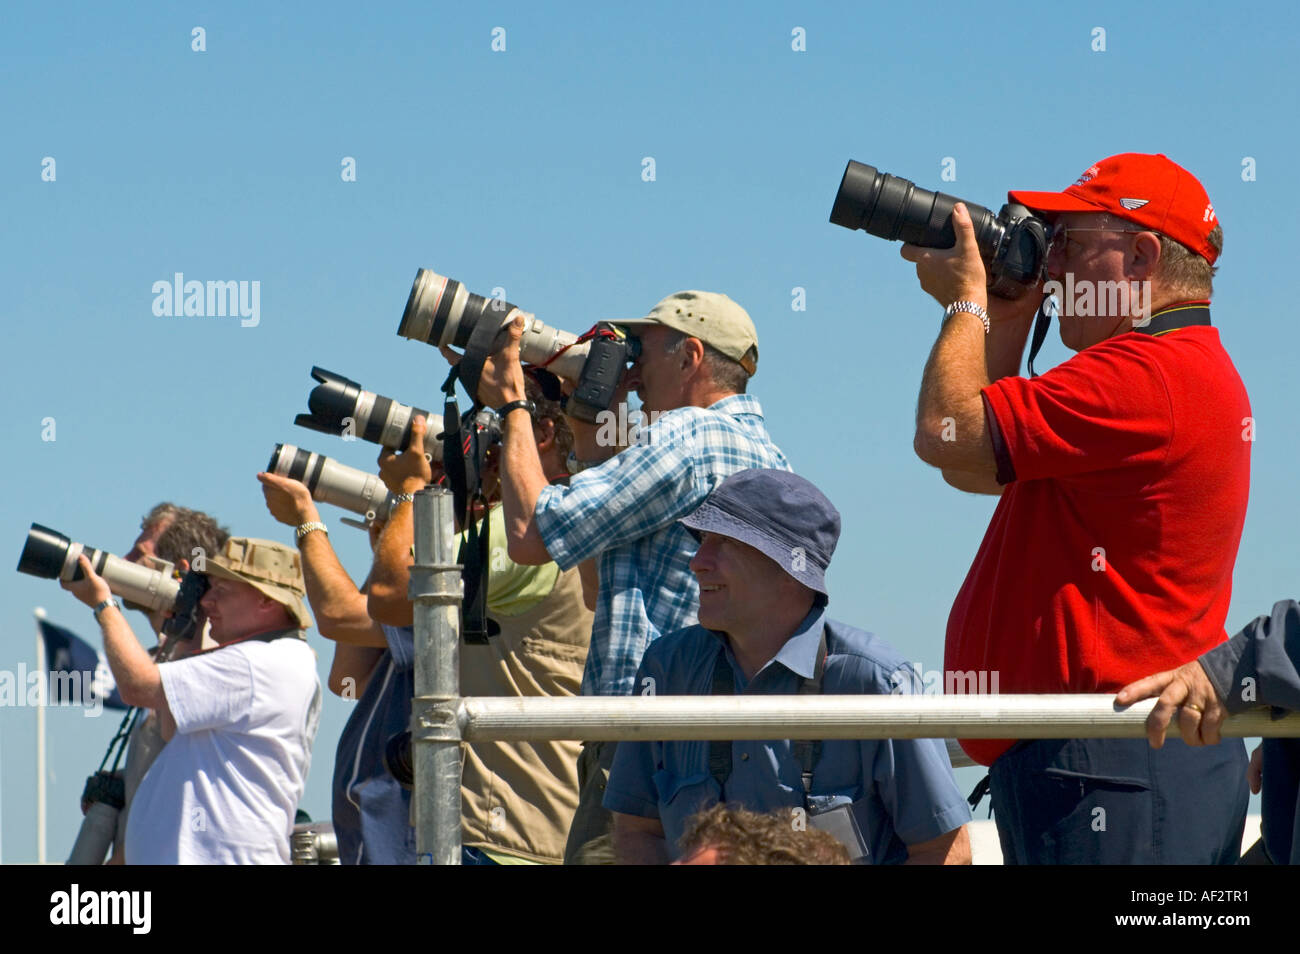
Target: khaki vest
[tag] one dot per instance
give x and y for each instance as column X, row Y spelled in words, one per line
column 519, row 797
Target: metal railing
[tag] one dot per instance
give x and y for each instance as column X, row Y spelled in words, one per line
column 441, row 719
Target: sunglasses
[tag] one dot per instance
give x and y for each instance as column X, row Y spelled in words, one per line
column 1061, row 233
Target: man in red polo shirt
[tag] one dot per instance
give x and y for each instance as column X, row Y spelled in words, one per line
column 1123, row 475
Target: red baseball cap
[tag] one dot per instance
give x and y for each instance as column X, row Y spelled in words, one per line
column 1151, row 191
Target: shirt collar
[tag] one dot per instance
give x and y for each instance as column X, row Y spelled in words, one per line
column 734, row 404
column 797, row 654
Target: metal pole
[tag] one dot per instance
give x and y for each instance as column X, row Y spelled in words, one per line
column 40, row 739
column 436, row 591
column 830, row 717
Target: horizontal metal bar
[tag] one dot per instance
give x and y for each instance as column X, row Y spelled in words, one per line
column 596, row 718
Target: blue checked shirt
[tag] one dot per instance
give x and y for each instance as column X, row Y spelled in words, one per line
column 626, row 510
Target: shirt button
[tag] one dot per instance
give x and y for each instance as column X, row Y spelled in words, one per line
column 744, row 756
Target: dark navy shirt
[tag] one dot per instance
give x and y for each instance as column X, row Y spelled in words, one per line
column 902, row 791
column 371, row 810
column 1261, row 666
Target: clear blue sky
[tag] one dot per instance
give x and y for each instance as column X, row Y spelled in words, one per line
column 523, row 169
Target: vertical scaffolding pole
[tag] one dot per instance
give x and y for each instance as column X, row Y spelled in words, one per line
column 436, row 590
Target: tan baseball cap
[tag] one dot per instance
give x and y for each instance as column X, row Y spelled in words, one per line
column 710, row 316
column 269, row 567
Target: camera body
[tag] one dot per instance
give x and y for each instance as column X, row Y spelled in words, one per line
column 1012, row 243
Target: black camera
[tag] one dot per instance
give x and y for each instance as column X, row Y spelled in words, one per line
column 399, row 760
column 1013, row 243
column 105, row 787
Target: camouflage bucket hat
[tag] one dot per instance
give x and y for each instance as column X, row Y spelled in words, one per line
column 269, row 567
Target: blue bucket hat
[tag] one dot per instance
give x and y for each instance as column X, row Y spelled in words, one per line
column 779, row 514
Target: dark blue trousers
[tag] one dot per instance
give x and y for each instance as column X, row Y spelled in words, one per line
column 1120, row 802
column 1280, row 800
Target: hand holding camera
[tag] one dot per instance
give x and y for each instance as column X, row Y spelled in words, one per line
column 952, row 274
column 409, row 471
column 90, row 588
column 288, row 500
column 502, row 379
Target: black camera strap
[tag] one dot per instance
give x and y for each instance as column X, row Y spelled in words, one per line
column 483, row 341
column 1182, row 315
column 808, row 752
column 462, row 459
column 1041, row 324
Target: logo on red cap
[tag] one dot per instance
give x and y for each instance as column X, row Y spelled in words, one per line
column 1173, row 203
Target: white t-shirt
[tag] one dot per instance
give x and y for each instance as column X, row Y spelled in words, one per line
column 226, row 788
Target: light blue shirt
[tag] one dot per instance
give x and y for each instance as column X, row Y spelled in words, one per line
column 626, row 510
column 902, row 790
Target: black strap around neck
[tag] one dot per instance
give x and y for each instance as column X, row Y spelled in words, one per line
column 1182, row 315
column 808, row 752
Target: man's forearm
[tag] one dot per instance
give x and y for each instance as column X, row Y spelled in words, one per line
column 137, row 677
column 974, row 483
column 522, row 483
column 351, row 669
column 339, row 606
column 1004, row 347
column 950, row 849
column 950, row 425
column 390, row 574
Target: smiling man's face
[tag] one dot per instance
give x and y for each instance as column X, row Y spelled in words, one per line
column 738, row 584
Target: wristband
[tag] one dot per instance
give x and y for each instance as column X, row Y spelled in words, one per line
column 505, row 409
column 403, row 498
column 971, row 308
column 103, row 605
column 305, row 528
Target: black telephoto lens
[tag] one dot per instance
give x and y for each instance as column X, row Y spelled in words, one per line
column 898, row 210
column 341, row 406
column 43, row 553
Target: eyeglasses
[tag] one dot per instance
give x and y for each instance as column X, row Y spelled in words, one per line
column 1060, row 235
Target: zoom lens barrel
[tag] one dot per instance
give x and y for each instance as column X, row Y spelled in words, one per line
column 333, row 483
column 440, row 311
column 896, row 209
column 51, row 555
column 340, row 406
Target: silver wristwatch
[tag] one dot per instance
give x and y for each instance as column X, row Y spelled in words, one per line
column 303, row 529
column 968, row 306
column 103, row 605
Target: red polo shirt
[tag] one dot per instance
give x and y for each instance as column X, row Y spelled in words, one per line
column 1110, row 554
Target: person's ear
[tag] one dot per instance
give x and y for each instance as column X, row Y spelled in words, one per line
column 183, row 565
column 692, row 353
column 544, row 434
column 1144, row 255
